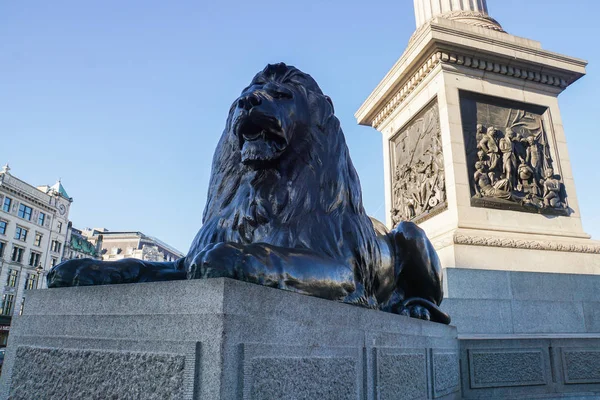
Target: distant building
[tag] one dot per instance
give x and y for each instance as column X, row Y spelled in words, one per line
column 33, row 232
column 79, row 246
column 115, row 246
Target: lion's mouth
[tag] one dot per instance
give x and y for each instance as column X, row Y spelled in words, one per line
column 261, row 138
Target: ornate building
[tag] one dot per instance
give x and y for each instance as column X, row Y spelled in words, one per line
column 33, row 232
column 79, row 246
column 115, row 246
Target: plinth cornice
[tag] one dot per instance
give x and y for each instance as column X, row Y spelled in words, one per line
column 449, row 43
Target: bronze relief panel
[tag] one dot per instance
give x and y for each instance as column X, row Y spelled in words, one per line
column 417, row 168
column 509, row 156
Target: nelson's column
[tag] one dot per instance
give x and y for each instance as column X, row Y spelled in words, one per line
column 475, row 153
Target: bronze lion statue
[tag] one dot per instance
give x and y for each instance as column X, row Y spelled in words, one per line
column 285, row 210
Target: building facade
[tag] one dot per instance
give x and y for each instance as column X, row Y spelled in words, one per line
column 33, row 232
column 115, row 246
column 79, row 246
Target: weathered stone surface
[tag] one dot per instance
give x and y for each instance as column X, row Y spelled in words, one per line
column 498, row 368
column 547, row 317
column 43, row 373
column 446, row 373
column 591, row 313
column 304, row 378
column 506, row 302
column 479, row 316
column 581, row 366
column 544, row 287
column 401, row 374
column 478, row 284
column 586, row 287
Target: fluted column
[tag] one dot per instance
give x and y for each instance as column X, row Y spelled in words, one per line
column 472, row 12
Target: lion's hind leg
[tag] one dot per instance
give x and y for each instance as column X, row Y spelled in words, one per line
column 418, row 275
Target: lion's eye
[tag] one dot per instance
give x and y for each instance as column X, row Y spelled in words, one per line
column 281, row 94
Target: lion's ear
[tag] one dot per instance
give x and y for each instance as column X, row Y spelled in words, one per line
column 330, row 103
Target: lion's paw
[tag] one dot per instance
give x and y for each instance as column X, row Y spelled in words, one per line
column 217, row 260
column 88, row 272
column 416, row 311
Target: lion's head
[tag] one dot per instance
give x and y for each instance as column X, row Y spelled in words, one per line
column 269, row 113
column 282, row 174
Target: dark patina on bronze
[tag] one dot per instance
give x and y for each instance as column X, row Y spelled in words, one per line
column 284, row 210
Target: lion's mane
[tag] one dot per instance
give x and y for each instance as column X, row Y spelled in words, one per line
column 312, row 200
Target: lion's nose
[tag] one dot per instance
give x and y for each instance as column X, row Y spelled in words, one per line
column 249, row 101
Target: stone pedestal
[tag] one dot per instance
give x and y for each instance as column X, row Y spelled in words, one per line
column 221, row 339
column 455, row 81
column 526, row 334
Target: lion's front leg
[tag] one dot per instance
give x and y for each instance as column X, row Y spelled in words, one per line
column 296, row 270
column 89, row 272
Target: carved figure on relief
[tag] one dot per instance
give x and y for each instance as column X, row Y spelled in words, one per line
column 552, row 190
column 418, row 182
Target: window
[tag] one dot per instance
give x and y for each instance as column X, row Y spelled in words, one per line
column 41, row 219
column 3, row 225
column 24, row 212
column 2, row 245
column 53, row 262
column 34, row 259
column 31, row 282
column 60, row 227
column 7, row 303
column 38, row 239
column 6, row 205
column 56, row 245
column 21, row 234
column 17, row 254
column 13, row 276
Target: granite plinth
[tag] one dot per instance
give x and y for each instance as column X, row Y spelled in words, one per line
column 221, row 339
column 526, row 334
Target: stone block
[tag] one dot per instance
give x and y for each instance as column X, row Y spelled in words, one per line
column 586, row 287
column 580, row 365
column 480, row 316
column 42, row 373
column 494, row 368
column 401, row 374
column 591, row 313
column 478, row 284
column 537, row 317
column 546, row 287
column 218, row 339
column 446, row 372
column 277, row 372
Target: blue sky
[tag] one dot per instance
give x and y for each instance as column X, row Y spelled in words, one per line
column 125, row 100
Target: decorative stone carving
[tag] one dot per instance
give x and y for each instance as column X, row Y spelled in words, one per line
column 509, row 158
column 418, row 181
column 581, row 365
column 496, row 368
column 474, row 18
column 95, row 374
column 443, row 57
column 523, row 244
column 469, row 12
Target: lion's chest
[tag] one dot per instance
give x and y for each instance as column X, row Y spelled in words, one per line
column 259, row 212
